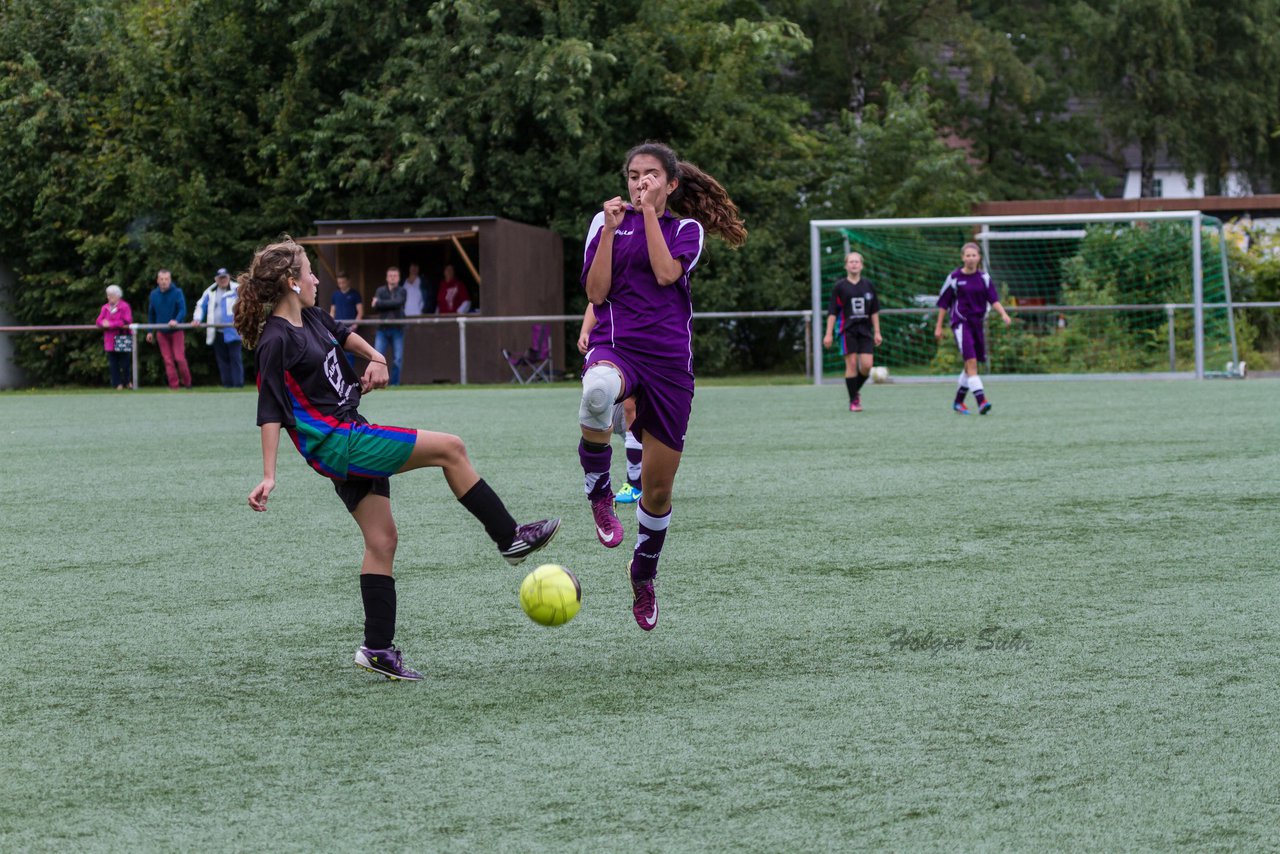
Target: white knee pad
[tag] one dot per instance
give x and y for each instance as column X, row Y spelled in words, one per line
column 619, row 420
column 601, row 385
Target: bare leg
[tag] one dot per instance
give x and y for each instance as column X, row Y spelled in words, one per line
column 373, row 515
column 850, row 365
column 444, row 451
column 658, row 471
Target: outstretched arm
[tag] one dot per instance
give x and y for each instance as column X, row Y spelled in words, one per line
column 1003, row 314
column 270, row 444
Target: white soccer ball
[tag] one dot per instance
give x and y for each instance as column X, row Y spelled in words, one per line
column 879, row 375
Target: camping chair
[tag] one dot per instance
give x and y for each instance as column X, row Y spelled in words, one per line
column 534, row 364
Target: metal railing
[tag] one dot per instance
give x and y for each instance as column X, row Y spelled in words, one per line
column 813, row 369
column 1169, row 308
column 461, row 321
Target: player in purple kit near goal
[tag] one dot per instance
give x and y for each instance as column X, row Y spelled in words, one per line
column 639, row 256
column 965, row 296
column 856, row 308
column 307, row 389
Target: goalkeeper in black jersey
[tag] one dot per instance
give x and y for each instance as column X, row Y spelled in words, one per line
column 856, row 308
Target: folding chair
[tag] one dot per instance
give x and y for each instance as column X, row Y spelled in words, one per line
column 534, row 364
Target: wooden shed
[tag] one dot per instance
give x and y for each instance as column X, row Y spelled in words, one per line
column 509, row 268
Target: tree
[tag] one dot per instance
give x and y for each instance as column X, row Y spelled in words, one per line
column 1235, row 123
column 1013, row 78
column 859, row 45
column 1200, row 82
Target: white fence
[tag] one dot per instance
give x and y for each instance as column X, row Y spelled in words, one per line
column 813, row 369
column 462, row 321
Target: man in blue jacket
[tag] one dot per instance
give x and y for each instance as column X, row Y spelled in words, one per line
column 168, row 305
column 216, row 307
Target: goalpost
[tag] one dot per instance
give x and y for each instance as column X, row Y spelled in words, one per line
column 1100, row 295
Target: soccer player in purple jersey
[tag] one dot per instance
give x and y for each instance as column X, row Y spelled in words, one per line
column 855, row 306
column 307, row 389
column 636, row 268
column 624, row 415
column 965, row 295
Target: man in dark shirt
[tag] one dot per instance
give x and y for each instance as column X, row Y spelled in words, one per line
column 388, row 302
column 347, row 307
column 169, row 305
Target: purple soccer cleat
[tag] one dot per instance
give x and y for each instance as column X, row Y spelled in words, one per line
column 530, row 538
column 386, row 662
column 608, row 528
column 644, row 606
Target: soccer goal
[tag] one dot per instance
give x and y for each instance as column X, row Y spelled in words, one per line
column 1135, row 294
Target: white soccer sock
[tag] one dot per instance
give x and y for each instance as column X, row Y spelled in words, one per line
column 964, row 380
column 633, row 468
column 653, row 523
column 975, row 383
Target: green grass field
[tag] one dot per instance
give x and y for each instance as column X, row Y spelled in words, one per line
column 176, row 670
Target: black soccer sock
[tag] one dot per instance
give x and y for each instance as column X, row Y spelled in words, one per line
column 379, row 595
column 483, row 503
column 852, row 385
column 858, row 382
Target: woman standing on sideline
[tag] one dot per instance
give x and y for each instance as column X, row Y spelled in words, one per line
column 114, row 317
column 966, row 294
column 307, row 389
column 855, row 304
column 636, row 268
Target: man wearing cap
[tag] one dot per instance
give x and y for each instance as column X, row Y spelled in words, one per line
column 216, row 306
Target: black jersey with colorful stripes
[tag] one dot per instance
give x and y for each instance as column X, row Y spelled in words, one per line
column 303, row 375
column 853, row 304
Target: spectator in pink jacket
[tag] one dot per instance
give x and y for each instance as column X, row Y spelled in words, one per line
column 114, row 318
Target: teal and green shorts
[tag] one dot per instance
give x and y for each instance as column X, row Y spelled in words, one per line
column 355, row 449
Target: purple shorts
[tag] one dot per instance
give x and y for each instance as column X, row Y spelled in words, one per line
column 971, row 340
column 663, row 393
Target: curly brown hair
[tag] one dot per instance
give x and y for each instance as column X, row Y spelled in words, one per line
column 262, row 285
column 698, row 195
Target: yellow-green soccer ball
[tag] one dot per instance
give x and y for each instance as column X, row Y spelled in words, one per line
column 550, row 595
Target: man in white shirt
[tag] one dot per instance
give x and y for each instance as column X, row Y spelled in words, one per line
column 414, row 305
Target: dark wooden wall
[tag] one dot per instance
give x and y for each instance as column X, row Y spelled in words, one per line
column 521, row 271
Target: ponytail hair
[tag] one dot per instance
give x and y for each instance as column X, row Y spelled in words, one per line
column 697, row 195
column 262, row 285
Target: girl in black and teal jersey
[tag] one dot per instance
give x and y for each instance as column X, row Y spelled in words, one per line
column 308, row 389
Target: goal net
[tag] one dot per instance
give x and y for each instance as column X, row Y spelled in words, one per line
column 1138, row 293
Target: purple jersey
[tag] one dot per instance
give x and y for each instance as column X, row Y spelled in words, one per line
column 641, row 317
column 967, row 295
